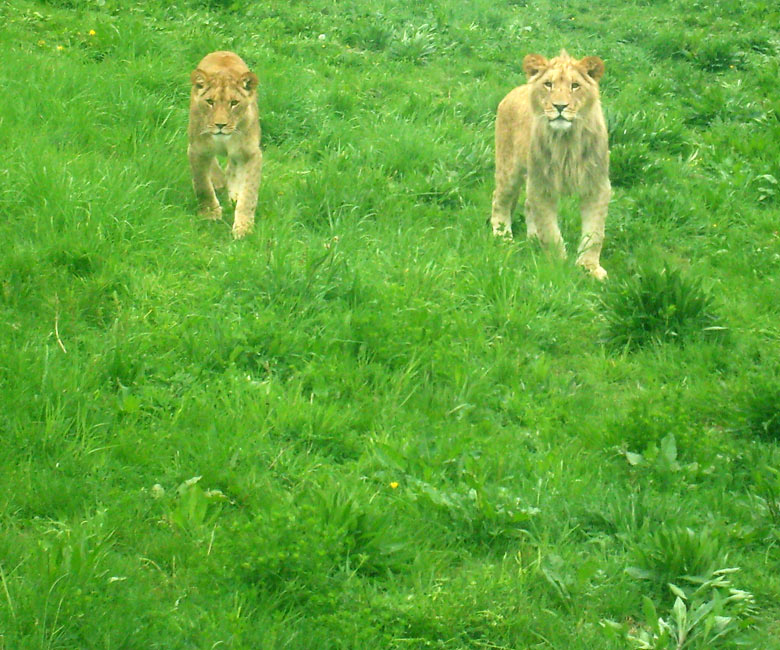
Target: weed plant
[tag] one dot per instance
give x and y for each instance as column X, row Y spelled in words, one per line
column 370, row 425
column 670, row 553
column 709, row 614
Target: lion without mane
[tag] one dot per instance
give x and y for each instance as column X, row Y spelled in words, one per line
column 224, row 121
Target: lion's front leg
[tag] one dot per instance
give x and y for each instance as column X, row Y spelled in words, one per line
column 246, row 182
column 593, row 208
column 509, row 180
column 233, row 180
column 541, row 216
column 201, row 166
column 508, row 183
column 217, row 175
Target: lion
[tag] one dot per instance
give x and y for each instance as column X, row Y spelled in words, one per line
column 551, row 134
column 224, row 121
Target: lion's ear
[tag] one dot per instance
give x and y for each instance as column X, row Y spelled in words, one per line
column 533, row 64
column 249, row 81
column 593, row 66
column 199, row 79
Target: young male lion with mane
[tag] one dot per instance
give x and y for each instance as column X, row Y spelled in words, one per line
column 551, row 134
column 224, row 121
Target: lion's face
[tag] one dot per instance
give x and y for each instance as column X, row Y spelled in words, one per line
column 221, row 101
column 562, row 88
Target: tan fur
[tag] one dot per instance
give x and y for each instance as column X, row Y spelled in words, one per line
column 224, row 121
column 551, row 135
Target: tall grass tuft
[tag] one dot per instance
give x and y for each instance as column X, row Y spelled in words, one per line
column 760, row 411
column 673, row 552
column 658, row 306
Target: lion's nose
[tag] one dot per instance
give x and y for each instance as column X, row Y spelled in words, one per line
column 220, row 126
column 560, row 107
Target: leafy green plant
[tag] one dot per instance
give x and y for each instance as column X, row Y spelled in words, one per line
column 662, row 457
column 74, row 552
column 195, row 508
column 484, row 514
column 658, row 306
column 767, row 188
column 648, row 420
column 710, row 613
column 416, row 45
column 672, row 552
column 568, row 583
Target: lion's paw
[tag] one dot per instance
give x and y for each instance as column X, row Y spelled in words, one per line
column 598, row 272
column 241, row 229
column 504, row 231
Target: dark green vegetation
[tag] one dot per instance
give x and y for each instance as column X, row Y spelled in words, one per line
column 406, row 434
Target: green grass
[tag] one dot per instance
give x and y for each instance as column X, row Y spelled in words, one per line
column 369, row 424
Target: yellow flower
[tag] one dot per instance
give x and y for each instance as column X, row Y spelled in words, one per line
column 394, row 484
column 92, row 32
column 41, row 43
column 60, row 48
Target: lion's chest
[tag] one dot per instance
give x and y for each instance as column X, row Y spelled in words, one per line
column 561, row 163
column 220, row 144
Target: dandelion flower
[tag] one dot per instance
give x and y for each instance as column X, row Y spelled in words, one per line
column 92, row 32
column 60, row 48
column 394, row 484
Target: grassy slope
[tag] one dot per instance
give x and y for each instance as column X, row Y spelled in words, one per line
column 409, row 435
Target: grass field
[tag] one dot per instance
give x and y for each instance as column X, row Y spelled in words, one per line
column 370, row 425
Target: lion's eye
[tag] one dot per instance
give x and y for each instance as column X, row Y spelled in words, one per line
column 233, row 102
column 575, row 85
column 548, row 84
column 210, row 102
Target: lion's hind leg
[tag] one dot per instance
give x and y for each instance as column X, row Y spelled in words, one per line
column 245, row 181
column 200, row 165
